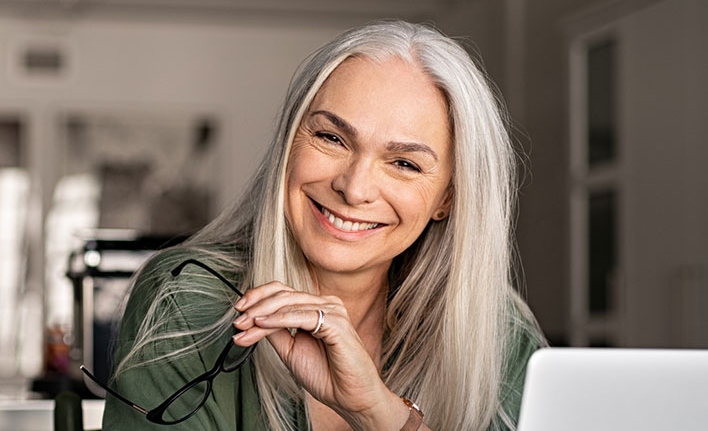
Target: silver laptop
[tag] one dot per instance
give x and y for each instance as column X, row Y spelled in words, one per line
column 589, row 389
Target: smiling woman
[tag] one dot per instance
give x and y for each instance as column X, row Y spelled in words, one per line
column 374, row 253
column 373, row 151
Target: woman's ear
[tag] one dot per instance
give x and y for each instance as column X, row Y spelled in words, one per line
column 443, row 210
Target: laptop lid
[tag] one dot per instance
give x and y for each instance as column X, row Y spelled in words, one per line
column 593, row 389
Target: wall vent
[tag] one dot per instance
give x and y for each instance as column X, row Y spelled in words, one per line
column 43, row 60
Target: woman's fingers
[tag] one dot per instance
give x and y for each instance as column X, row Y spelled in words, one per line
column 255, row 329
column 314, row 337
column 255, row 295
column 253, row 335
column 274, row 306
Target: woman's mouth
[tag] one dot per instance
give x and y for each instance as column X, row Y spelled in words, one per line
column 347, row 225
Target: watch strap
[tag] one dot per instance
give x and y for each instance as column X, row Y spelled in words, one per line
column 415, row 417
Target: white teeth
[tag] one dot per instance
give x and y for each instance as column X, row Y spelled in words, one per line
column 347, row 225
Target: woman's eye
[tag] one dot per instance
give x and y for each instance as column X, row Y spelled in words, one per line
column 406, row 165
column 329, row 137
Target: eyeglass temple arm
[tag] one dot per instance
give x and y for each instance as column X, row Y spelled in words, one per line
column 112, row 392
column 175, row 272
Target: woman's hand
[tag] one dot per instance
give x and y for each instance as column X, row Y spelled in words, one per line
column 333, row 365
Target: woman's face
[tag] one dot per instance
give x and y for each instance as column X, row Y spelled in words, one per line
column 370, row 165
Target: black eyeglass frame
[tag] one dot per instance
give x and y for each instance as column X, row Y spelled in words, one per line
column 156, row 415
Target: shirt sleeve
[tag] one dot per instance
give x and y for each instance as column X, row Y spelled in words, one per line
column 148, row 385
column 525, row 339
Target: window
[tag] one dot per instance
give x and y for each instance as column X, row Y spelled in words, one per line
column 15, row 302
column 596, row 193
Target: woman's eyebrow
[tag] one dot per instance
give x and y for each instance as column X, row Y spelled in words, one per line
column 398, row 147
column 337, row 121
column 411, row 147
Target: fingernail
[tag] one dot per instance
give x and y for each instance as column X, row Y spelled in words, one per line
column 240, row 319
column 240, row 303
column 237, row 336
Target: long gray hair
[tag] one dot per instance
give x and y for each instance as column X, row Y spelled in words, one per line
column 448, row 314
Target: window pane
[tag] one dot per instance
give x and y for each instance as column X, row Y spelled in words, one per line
column 14, row 206
column 11, row 143
column 602, row 249
column 602, row 124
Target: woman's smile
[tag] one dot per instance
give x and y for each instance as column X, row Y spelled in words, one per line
column 346, row 224
column 371, row 163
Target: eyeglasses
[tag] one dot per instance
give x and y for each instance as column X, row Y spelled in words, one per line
column 184, row 403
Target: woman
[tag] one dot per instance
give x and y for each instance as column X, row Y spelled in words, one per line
column 373, row 250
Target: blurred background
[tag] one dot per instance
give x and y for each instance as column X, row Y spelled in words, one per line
column 125, row 125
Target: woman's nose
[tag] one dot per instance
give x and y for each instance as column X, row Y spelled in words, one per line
column 357, row 182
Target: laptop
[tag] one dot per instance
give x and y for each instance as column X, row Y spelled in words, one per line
column 603, row 389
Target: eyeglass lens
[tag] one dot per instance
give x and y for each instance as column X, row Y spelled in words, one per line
column 189, row 401
column 186, row 404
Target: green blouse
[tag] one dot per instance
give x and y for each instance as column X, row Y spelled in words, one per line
column 234, row 403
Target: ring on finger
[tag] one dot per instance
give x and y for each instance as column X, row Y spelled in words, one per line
column 320, row 322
